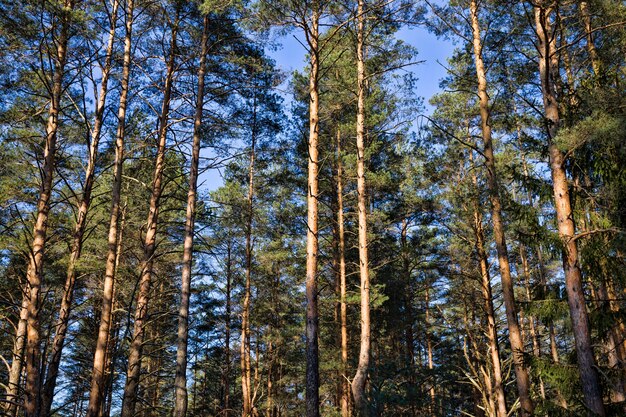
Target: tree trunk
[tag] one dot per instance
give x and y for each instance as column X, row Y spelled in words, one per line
column 99, row 363
column 360, row 379
column 592, row 391
column 226, row 407
column 591, row 47
column 312, row 318
column 149, row 245
column 34, row 273
column 517, row 347
column 79, row 229
column 15, row 372
column 612, row 349
column 343, row 307
column 492, row 331
column 180, row 383
column 429, row 348
column 246, row 387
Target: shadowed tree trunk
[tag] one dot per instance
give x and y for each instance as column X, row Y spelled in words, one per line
column 15, row 371
column 34, row 272
column 180, row 383
column 99, row 363
column 79, row 228
column 149, row 244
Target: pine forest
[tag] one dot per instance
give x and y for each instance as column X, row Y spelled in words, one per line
column 305, row 208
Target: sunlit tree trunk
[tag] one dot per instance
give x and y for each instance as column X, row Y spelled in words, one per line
column 149, row 244
column 246, row 387
column 99, row 363
column 492, row 331
column 360, row 379
column 180, row 383
column 79, row 228
column 546, row 47
column 34, row 272
column 515, row 338
column 343, row 307
column 312, row 316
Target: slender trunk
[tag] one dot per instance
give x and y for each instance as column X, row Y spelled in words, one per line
column 34, row 272
column 360, row 379
column 592, row 391
column 343, row 307
column 15, row 372
column 79, row 229
column 521, row 373
column 226, row 408
column 429, row 347
column 246, row 387
column 99, row 363
column 591, row 47
column 612, row 350
column 149, row 244
column 312, row 316
column 492, row 331
column 270, row 400
column 531, row 319
column 180, row 383
column 409, row 340
column 110, row 357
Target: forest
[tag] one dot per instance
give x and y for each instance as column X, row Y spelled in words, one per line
column 188, row 229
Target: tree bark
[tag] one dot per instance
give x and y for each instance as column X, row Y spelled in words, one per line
column 492, row 331
column 312, row 317
column 15, row 372
column 180, row 383
column 591, row 47
column 99, row 362
column 343, row 307
column 226, row 407
column 546, row 47
column 515, row 339
column 246, row 387
column 358, row 383
column 149, row 244
column 34, row 272
column 79, row 229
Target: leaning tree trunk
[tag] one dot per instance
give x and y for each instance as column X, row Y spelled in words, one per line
column 590, row 381
column 360, row 379
column 149, row 244
column 517, row 346
column 79, row 229
column 312, row 398
column 98, row 379
column 180, row 383
column 34, row 272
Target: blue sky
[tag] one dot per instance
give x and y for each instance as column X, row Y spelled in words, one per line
column 291, row 55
